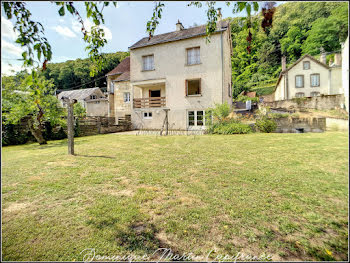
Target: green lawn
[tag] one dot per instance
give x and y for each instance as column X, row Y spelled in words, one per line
column 280, row 194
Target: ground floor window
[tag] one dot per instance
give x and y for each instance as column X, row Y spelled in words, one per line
column 196, row 118
column 147, row 115
column 299, row 94
column 126, row 96
column 314, row 94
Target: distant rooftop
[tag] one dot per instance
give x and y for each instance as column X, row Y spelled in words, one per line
column 178, row 35
column 78, row 94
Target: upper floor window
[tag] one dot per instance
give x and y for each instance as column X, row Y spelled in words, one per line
column 148, row 62
column 111, row 87
column 306, row 65
column 126, row 96
column 299, row 94
column 315, row 80
column 93, row 97
column 193, row 87
column 299, row 81
column 193, row 56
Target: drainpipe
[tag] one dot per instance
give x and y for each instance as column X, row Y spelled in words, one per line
column 329, row 81
column 222, row 69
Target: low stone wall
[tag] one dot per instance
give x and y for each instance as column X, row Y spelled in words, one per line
column 300, row 125
column 333, row 124
column 325, row 102
column 102, row 125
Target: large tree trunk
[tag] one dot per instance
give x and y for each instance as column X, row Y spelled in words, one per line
column 36, row 133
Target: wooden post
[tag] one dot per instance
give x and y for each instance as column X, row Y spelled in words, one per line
column 167, row 122
column 70, row 124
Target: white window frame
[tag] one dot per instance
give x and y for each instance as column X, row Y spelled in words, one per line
column 318, row 80
column 302, row 80
column 306, row 62
column 111, row 87
column 147, row 115
column 126, row 97
column 193, row 56
column 148, row 62
column 195, row 126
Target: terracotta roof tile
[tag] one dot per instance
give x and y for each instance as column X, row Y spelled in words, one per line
column 124, row 77
column 121, row 68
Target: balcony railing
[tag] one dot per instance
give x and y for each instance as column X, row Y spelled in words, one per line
column 153, row 102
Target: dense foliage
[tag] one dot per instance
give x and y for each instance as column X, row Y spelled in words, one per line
column 298, row 28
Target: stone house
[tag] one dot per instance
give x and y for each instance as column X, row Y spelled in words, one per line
column 179, row 72
column 309, row 77
column 119, row 90
column 92, row 99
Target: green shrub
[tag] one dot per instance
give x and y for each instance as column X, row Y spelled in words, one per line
column 266, row 124
column 279, row 115
column 246, row 98
column 231, row 128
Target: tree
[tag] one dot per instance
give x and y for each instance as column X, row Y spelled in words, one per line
column 32, row 36
column 33, row 99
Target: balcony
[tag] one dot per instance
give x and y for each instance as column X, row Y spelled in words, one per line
column 152, row 102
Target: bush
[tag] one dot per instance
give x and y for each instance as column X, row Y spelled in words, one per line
column 231, row 128
column 279, row 115
column 266, row 125
column 243, row 98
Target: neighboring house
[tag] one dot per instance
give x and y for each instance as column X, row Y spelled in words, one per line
column 345, row 72
column 119, row 90
column 308, row 77
column 178, row 71
column 93, row 100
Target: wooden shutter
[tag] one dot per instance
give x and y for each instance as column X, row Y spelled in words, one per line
column 186, row 88
column 200, row 86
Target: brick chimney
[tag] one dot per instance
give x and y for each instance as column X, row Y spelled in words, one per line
column 284, row 63
column 179, row 26
column 337, row 59
column 219, row 14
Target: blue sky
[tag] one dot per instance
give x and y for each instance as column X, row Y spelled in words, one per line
column 124, row 25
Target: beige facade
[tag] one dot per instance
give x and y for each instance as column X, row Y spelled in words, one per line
column 97, row 107
column 117, row 106
column 330, row 80
column 170, row 75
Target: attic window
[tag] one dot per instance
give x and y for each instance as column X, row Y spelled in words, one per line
column 306, row 65
column 93, row 97
column 193, row 87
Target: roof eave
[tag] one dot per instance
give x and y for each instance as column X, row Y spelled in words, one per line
column 173, row 40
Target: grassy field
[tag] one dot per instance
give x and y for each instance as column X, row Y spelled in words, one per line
column 285, row 195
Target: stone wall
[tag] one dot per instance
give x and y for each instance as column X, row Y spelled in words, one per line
column 326, row 102
column 296, row 125
column 102, row 125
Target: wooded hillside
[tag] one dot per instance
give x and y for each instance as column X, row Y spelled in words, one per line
column 298, row 28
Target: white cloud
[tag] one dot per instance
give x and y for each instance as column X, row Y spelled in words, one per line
column 76, row 26
column 64, row 31
column 7, row 29
column 61, row 20
column 8, row 47
column 10, row 69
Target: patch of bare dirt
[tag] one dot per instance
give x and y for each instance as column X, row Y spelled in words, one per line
column 14, row 207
